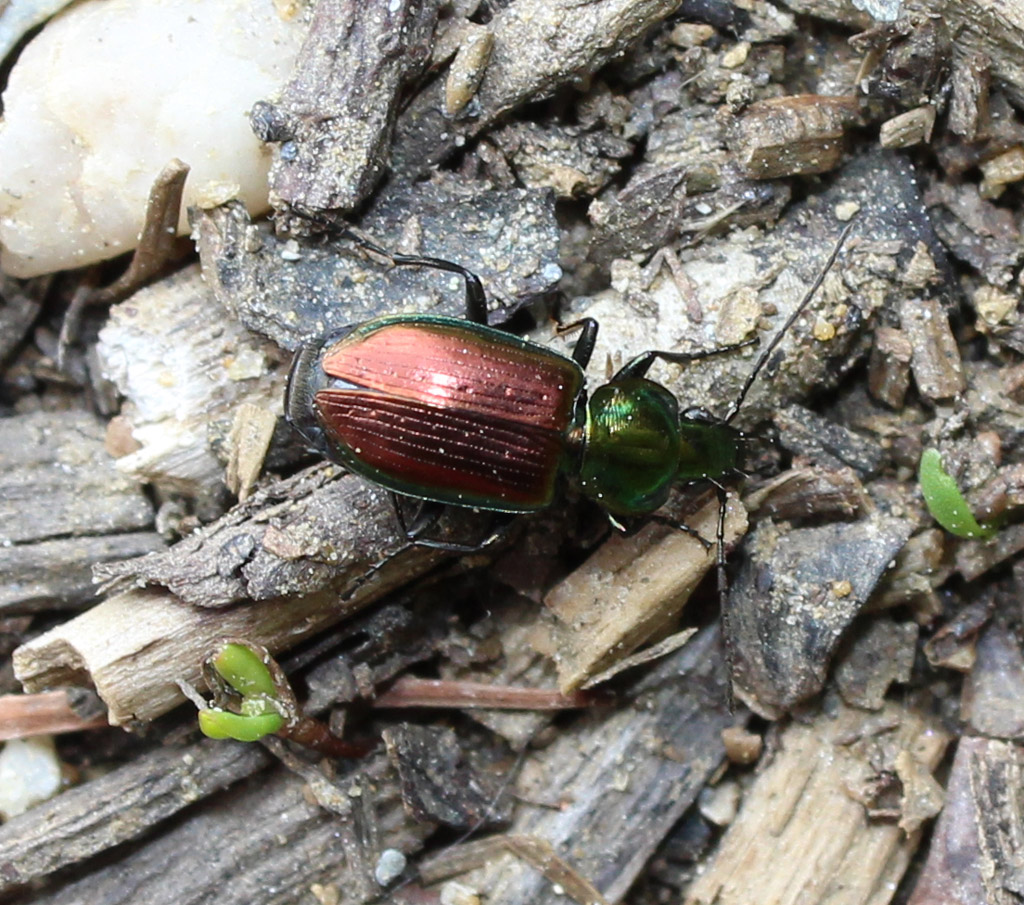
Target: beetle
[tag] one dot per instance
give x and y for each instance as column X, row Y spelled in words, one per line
column 454, row 411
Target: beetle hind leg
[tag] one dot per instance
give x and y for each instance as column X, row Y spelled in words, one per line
column 427, row 516
column 476, row 298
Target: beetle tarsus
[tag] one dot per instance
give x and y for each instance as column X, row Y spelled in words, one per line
column 639, row 366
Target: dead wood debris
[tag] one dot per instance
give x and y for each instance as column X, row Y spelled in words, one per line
column 63, row 509
column 293, row 293
column 529, row 850
column 47, row 713
column 976, row 852
column 816, row 806
column 332, row 124
column 272, row 837
column 645, row 167
column 787, row 136
column 653, row 759
column 439, row 785
column 620, row 598
column 802, row 590
column 182, row 396
column 533, row 54
column 164, row 781
column 993, row 694
column 20, row 304
column 90, row 818
column 137, row 644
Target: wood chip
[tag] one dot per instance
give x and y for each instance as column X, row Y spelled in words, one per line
column 798, row 134
column 801, row 835
column 623, row 781
column 935, row 361
column 630, row 590
column 976, row 853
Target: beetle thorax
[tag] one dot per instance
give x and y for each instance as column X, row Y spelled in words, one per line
column 632, row 449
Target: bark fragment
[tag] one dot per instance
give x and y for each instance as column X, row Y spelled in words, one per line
column 334, row 120
column 654, row 755
column 631, row 590
column 539, row 45
column 802, row 134
column 802, row 590
column 977, row 853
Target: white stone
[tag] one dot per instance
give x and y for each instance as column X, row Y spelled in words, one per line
column 107, row 94
column 29, row 773
column 389, row 866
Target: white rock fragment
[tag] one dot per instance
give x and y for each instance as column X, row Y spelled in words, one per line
column 29, row 774
column 389, row 866
column 455, row 893
column 720, row 803
column 19, row 17
column 107, row 94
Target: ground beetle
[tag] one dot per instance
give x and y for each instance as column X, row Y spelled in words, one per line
column 453, row 411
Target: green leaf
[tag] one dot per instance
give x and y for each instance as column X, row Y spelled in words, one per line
column 944, row 500
column 216, row 723
column 244, row 670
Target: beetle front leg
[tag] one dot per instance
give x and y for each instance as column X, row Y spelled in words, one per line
column 639, row 366
column 476, row 299
column 629, row 527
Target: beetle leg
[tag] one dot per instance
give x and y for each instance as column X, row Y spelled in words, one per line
column 427, row 516
column 682, row 526
column 640, row 365
column 629, row 527
column 503, row 523
column 584, row 347
column 476, row 299
column 723, row 595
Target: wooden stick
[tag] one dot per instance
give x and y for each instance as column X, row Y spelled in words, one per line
column 48, row 713
column 412, row 692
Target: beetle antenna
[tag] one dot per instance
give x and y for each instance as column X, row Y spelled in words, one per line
column 771, row 347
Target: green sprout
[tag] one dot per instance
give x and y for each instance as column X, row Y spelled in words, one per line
column 246, row 672
column 945, row 501
column 217, row 723
column 253, row 699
